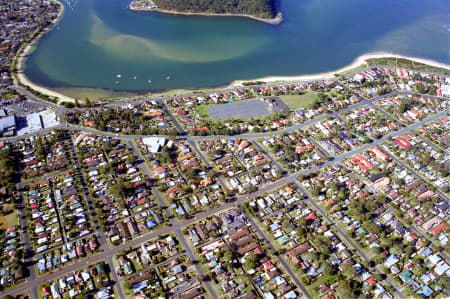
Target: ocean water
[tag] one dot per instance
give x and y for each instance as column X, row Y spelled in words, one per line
column 97, row 40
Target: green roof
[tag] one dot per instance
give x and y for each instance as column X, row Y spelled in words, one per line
column 283, row 239
column 406, row 276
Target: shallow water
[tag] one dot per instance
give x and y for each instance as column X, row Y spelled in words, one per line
column 98, row 39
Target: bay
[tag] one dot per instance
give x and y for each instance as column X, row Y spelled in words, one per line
column 98, row 39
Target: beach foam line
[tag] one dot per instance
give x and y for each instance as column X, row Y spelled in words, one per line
column 361, row 60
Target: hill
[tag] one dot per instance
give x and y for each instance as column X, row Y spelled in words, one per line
column 264, row 9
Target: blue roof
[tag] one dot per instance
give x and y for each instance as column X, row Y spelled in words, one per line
column 7, row 122
column 139, row 286
column 150, row 223
column 426, row 291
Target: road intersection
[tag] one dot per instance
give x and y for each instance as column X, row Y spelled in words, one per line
column 108, row 252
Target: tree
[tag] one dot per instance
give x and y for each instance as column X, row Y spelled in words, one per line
column 250, row 261
column 443, row 281
column 228, row 255
column 345, row 289
column 349, row 272
column 305, row 280
column 329, row 269
column 371, row 227
column 248, row 265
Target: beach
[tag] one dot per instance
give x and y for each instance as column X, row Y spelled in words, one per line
column 72, row 92
column 361, row 60
column 275, row 21
column 21, row 59
column 63, row 94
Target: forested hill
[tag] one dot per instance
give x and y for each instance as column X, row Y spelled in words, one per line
column 259, row 8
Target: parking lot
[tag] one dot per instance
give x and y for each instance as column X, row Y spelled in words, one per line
column 243, row 109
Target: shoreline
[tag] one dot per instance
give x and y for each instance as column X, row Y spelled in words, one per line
column 20, row 78
column 360, row 60
column 274, row 21
column 19, row 75
column 357, row 62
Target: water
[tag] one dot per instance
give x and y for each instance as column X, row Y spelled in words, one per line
column 98, row 39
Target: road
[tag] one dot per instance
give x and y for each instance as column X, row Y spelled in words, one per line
column 346, row 238
column 218, row 209
column 107, row 253
column 29, row 252
column 143, row 166
column 99, row 233
column 195, row 263
column 415, row 173
column 280, row 258
column 268, row 156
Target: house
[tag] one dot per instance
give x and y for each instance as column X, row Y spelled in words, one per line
column 154, row 144
column 190, row 293
column 436, row 231
column 380, row 154
column 295, row 252
column 434, row 222
column 379, row 180
column 201, row 231
column 8, row 125
column 45, row 292
column 391, row 260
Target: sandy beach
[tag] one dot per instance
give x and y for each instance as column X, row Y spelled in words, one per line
column 21, row 58
column 275, row 21
column 361, row 60
column 69, row 97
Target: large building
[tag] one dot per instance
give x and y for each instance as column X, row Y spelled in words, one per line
column 8, row 125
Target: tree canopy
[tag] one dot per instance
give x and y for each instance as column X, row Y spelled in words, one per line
column 258, row 8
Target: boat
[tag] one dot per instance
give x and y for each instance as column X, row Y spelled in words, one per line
column 134, row 78
column 117, row 82
column 168, row 78
column 119, row 76
column 149, row 81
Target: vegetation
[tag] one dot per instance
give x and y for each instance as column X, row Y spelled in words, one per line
column 407, row 64
column 8, row 171
column 300, row 101
column 249, row 83
column 259, row 8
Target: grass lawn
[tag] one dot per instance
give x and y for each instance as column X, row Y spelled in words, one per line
column 8, row 220
column 202, row 110
column 353, row 70
column 299, row 101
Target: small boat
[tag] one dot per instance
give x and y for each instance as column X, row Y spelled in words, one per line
column 149, row 81
column 119, row 76
column 134, row 78
column 117, row 82
column 168, row 78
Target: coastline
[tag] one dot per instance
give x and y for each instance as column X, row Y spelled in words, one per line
column 360, row 60
column 21, row 79
column 274, row 21
column 19, row 75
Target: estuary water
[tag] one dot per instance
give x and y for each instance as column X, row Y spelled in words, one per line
column 102, row 44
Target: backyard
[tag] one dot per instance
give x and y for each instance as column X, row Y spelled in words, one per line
column 8, row 220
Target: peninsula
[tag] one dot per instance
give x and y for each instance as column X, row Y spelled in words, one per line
column 261, row 10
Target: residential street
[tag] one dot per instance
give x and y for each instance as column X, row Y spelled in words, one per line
column 175, row 226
